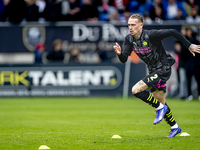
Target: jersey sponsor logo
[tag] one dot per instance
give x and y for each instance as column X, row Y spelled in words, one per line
column 142, row 50
column 144, row 43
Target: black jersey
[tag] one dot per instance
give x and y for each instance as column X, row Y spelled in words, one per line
column 149, row 47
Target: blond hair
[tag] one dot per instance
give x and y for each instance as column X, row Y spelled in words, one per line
column 137, row 16
column 56, row 42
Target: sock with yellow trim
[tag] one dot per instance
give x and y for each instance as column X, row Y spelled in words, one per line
column 148, row 98
column 160, row 106
column 169, row 118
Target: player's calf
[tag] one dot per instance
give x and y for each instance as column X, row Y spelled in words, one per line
column 161, row 109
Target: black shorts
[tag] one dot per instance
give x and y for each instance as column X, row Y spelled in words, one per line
column 157, row 80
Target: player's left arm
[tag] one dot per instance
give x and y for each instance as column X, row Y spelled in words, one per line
column 163, row 33
column 158, row 35
column 193, row 48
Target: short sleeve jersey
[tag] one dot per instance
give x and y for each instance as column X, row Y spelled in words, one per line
column 149, row 47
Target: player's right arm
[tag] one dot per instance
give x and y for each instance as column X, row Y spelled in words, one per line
column 123, row 54
column 117, row 48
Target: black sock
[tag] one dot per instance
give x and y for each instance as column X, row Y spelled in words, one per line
column 169, row 118
column 148, row 98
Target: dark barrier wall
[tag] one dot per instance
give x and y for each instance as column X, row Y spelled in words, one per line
column 86, row 36
column 70, row 80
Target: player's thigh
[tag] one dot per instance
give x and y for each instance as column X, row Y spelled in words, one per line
column 139, row 87
column 160, row 96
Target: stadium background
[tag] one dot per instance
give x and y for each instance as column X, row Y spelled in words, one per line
column 25, row 24
column 21, row 76
column 82, row 105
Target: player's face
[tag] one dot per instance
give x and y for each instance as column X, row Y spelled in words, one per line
column 134, row 26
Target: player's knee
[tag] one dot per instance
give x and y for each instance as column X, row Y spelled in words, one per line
column 134, row 90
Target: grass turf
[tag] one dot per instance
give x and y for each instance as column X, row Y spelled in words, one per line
column 89, row 123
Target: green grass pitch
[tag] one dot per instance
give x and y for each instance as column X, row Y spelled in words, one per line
column 89, row 123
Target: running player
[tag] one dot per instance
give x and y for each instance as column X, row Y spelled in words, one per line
column 147, row 45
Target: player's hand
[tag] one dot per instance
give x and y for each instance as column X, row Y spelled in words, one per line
column 194, row 49
column 117, row 49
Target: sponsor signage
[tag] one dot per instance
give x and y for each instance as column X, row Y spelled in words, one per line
column 88, row 37
column 61, row 81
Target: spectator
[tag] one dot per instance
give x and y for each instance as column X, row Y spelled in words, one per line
column 103, row 56
column 193, row 17
column 139, row 7
column 39, row 51
column 121, row 5
column 180, row 15
column 74, row 11
column 159, row 16
column 146, row 19
column 15, row 11
column 156, row 3
column 105, row 10
column 198, row 4
column 3, row 4
column 191, row 64
column 114, row 18
column 52, row 11
column 41, row 5
column 171, row 9
column 191, row 4
column 74, row 57
column 56, row 55
column 33, row 11
column 179, row 67
column 125, row 16
column 89, row 11
column 65, row 7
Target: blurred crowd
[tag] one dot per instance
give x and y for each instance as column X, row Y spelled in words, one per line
column 57, row 55
column 114, row 11
column 187, row 66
